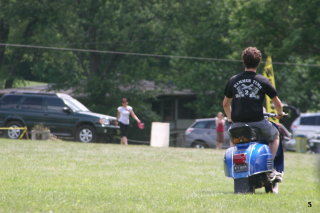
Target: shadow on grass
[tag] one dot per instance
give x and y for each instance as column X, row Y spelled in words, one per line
column 208, row 192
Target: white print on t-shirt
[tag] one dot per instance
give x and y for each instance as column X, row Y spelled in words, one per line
column 247, row 88
column 124, row 114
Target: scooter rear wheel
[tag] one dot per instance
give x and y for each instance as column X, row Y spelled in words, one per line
column 242, row 185
column 271, row 187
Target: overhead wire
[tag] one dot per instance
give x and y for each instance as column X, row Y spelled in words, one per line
column 144, row 54
column 116, row 52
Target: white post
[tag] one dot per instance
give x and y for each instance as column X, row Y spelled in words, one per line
column 160, row 134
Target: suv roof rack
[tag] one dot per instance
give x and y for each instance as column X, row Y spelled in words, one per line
column 33, row 93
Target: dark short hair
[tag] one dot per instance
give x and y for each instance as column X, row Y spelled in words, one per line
column 124, row 99
column 251, row 57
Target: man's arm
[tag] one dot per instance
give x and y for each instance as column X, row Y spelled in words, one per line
column 278, row 105
column 227, row 107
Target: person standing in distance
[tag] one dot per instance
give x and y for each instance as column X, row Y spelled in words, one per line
column 123, row 119
column 244, row 96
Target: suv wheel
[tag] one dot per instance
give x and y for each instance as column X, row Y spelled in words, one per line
column 14, row 133
column 86, row 134
column 199, row 145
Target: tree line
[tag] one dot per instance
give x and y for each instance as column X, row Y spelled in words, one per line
column 287, row 30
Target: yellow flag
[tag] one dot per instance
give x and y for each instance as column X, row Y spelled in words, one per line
column 268, row 73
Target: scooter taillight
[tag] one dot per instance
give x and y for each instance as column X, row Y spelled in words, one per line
column 239, row 158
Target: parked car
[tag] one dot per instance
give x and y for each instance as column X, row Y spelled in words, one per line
column 311, row 145
column 314, row 144
column 307, row 124
column 62, row 114
column 290, row 145
column 202, row 134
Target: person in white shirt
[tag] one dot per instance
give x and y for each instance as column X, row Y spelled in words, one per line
column 123, row 115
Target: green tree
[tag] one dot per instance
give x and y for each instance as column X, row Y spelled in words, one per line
column 204, row 27
column 36, row 23
column 288, row 31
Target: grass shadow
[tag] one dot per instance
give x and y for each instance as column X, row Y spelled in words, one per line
column 209, row 192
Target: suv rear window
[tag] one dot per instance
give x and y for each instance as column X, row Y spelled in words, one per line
column 205, row 125
column 54, row 105
column 32, row 103
column 10, row 101
column 310, row 120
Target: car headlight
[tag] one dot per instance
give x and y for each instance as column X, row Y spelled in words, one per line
column 104, row 121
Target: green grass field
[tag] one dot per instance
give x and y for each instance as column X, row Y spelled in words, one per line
column 47, row 176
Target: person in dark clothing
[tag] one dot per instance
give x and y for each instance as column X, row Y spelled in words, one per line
column 244, row 97
column 243, row 102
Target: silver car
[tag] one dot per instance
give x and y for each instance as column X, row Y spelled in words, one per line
column 202, row 134
column 307, row 124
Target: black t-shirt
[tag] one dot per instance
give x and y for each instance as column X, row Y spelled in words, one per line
column 248, row 90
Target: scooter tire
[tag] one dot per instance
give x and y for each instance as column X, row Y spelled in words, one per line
column 243, row 186
column 272, row 187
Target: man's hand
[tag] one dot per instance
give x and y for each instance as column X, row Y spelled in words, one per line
column 279, row 116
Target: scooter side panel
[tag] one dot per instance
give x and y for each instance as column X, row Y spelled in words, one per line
column 228, row 162
column 260, row 158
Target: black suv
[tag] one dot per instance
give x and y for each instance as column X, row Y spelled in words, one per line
column 62, row 114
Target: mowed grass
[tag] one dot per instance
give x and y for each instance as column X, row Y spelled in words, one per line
column 47, row 176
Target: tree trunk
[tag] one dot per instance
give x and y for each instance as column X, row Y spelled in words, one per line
column 4, row 34
column 9, row 83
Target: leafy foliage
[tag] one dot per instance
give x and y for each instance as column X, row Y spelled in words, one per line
column 286, row 30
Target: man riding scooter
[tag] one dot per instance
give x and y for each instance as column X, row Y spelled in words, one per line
column 243, row 102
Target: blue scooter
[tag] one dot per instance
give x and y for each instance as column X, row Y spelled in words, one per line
column 250, row 162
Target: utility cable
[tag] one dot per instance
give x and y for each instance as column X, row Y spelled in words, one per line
column 145, row 54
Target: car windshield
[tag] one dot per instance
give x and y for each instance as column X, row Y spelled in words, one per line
column 75, row 105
